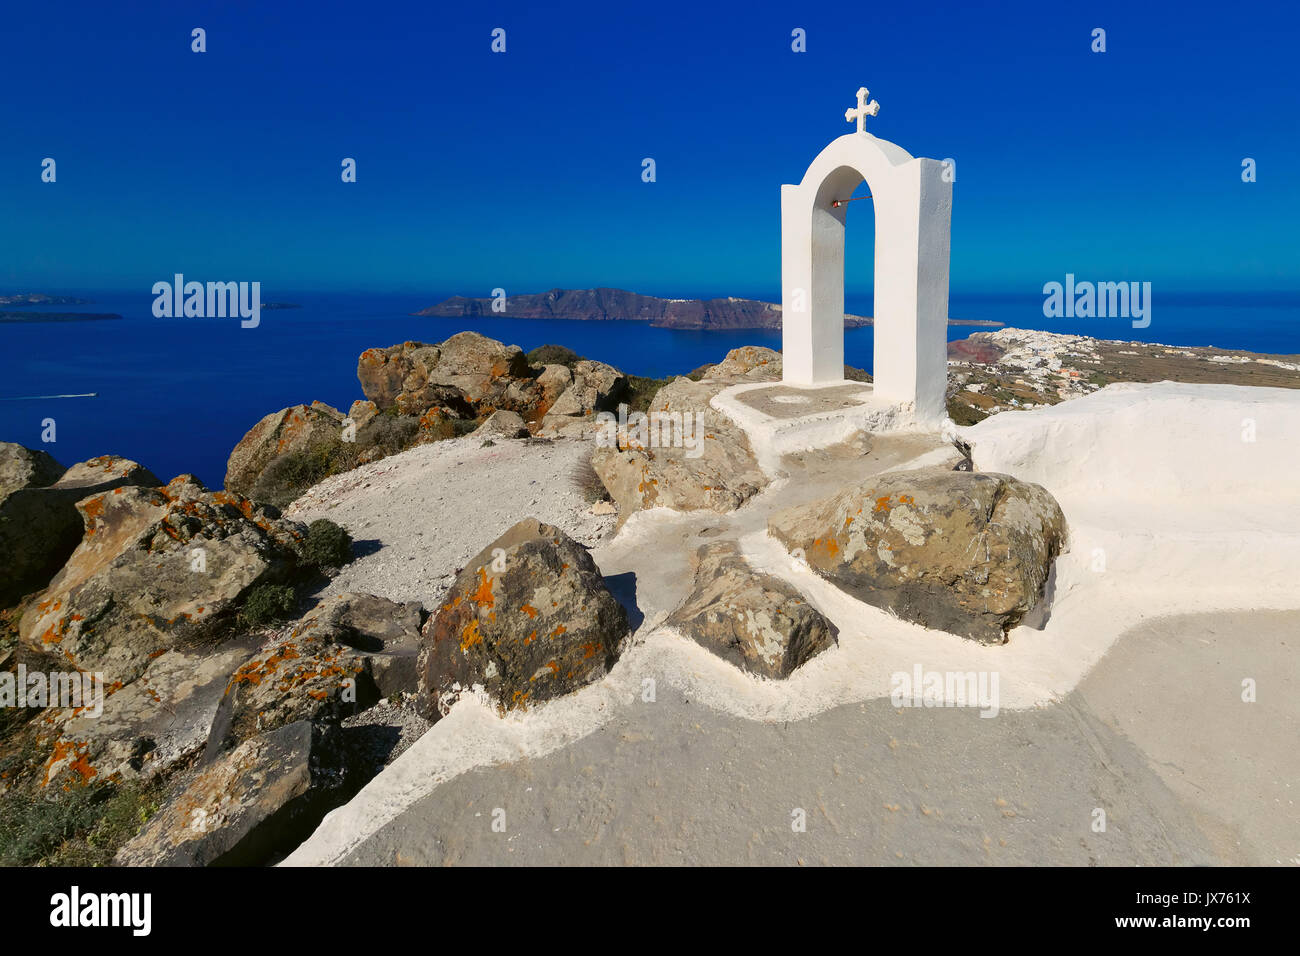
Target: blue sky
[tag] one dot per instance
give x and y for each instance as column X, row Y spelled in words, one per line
column 523, row 169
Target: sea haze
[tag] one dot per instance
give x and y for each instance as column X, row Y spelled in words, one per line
column 178, row 394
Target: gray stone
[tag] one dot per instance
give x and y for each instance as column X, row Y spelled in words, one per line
column 968, row 553
column 756, row 621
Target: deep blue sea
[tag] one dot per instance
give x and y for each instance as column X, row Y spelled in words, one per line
column 178, row 394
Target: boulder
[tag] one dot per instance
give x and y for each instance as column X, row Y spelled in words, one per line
column 290, row 430
column 157, row 569
column 145, row 728
column 968, row 553
column 460, row 374
column 26, row 468
column 361, row 413
column 259, row 799
column 502, row 424
column 642, row 469
column 756, row 621
column 476, row 365
column 529, row 618
column 595, row 387
column 342, row 657
column 40, row 526
column 749, row 363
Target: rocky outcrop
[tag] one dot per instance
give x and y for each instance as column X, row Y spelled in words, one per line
column 749, row 363
column 157, row 569
column 529, row 618
column 261, row 797
column 965, row 553
column 644, row 469
column 417, row 393
column 40, row 526
column 339, row 659
column 592, row 387
column 756, row 621
column 462, row 375
column 290, row 430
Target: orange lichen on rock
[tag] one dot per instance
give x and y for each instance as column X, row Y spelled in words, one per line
column 483, row 596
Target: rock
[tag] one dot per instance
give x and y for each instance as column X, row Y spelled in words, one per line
column 460, row 374
column 963, row 552
column 40, row 526
column 529, row 618
column 595, row 387
column 259, row 799
column 288, row 431
column 362, row 412
column 603, row 507
column 341, row 658
column 751, row 363
column 756, row 621
column 157, row 568
column 26, row 468
column 384, row 372
column 720, row 474
column 502, row 424
column 147, row 727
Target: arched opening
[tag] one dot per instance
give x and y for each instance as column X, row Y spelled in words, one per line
column 841, row 263
column 911, row 205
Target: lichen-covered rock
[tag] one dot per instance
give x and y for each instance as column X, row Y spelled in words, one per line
column 254, row 801
column 528, row 618
column 142, row 729
column 756, row 621
column 468, row 367
column 719, row 474
column 968, row 553
column 40, row 526
column 362, row 412
column 288, row 431
column 157, row 568
column 339, row 659
column 751, row 363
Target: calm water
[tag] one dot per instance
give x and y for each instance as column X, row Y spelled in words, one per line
column 178, row 394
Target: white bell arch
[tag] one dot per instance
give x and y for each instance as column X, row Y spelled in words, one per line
column 913, row 205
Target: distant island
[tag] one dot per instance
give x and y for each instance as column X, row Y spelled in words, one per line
column 6, row 316
column 619, row 305
column 40, row 298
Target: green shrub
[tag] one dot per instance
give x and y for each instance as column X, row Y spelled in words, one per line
column 553, row 355
column 83, row 826
column 641, row 391
column 327, row 544
column 268, row 603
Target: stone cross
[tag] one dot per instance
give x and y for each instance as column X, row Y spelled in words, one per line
column 864, row 110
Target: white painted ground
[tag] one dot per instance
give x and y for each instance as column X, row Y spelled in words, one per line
column 1188, row 517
